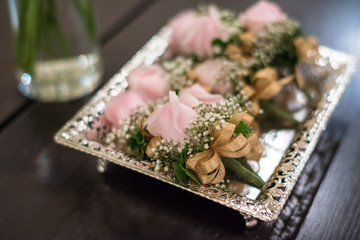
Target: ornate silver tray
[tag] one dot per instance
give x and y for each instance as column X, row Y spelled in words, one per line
column 287, row 151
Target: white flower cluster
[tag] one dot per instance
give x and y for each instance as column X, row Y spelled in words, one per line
column 129, row 126
column 229, row 20
column 227, row 74
column 226, row 17
column 275, row 40
column 177, row 69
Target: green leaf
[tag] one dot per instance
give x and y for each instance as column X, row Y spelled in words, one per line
column 180, row 173
column 218, row 42
column 276, row 111
column 137, row 143
column 182, row 156
column 243, row 128
column 190, row 173
column 181, row 170
column 299, row 32
column 140, row 138
column 243, row 172
column 234, row 39
column 141, row 152
column 244, row 162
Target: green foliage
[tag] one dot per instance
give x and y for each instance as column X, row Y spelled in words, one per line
column 274, row 45
column 234, row 39
column 243, row 128
column 137, row 143
column 40, row 31
column 274, row 110
column 182, row 173
column 243, row 171
column 218, row 42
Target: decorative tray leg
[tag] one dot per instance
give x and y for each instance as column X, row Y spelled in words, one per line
column 102, row 165
column 250, row 222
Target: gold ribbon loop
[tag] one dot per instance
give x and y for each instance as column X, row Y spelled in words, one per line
column 241, row 116
column 256, row 150
column 248, row 91
column 255, row 153
column 307, row 49
column 263, row 77
column 151, row 145
column 208, row 166
column 237, row 154
column 235, row 144
column 215, row 177
column 247, row 42
column 268, row 92
column 234, row 52
column 193, row 161
column 223, row 135
column 220, row 174
column 252, row 139
column 254, row 108
column 286, row 80
column 142, row 128
column 267, row 85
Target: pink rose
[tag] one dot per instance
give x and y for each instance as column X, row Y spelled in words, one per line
column 170, row 120
column 194, row 33
column 195, row 94
column 121, row 106
column 150, row 81
column 260, row 14
column 180, row 25
column 207, row 74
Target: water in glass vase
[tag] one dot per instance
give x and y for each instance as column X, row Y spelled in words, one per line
column 56, row 48
column 64, row 79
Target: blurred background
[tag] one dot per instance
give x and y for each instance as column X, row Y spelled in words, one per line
column 49, row 192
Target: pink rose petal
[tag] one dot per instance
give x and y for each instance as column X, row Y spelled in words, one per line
column 150, row 81
column 194, row 33
column 120, row 106
column 260, row 14
column 170, row 120
column 200, row 94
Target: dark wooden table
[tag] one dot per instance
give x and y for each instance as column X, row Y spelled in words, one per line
column 51, row 192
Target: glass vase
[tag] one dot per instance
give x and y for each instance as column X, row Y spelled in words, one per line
column 56, row 48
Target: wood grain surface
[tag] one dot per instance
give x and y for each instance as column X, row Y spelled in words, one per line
column 51, row 192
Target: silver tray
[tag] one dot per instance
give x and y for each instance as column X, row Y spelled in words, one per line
column 287, row 151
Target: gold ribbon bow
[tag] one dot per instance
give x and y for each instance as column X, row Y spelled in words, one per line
column 151, row 145
column 307, row 51
column 243, row 52
column 267, row 85
column 207, row 164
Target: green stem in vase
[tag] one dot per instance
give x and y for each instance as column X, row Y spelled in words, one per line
column 86, row 11
column 46, row 23
column 54, row 31
column 40, row 31
column 243, row 171
column 27, row 39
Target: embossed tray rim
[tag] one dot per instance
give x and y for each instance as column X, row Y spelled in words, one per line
column 271, row 200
